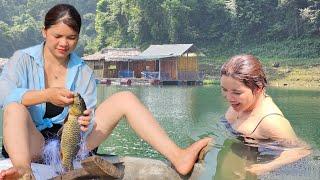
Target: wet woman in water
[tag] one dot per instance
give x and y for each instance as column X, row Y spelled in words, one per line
column 253, row 115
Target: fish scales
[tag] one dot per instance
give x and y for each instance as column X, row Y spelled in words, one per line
column 70, row 138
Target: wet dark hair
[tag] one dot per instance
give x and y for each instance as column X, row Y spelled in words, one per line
column 63, row 13
column 247, row 69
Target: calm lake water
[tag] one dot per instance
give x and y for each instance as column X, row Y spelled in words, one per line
column 189, row 113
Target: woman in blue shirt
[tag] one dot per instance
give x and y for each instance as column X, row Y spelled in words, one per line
column 37, row 85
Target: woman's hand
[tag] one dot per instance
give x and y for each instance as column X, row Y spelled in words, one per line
column 59, row 96
column 85, row 119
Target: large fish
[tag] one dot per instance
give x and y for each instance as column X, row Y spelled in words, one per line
column 70, row 138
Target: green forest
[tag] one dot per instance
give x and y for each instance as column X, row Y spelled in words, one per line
column 271, row 29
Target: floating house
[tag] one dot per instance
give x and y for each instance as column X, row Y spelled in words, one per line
column 168, row 63
column 109, row 62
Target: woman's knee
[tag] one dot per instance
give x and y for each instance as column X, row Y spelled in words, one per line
column 119, row 101
column 14, row 110
column 128, row 99
column 126, row 95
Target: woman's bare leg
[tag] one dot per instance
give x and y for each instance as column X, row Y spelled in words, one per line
column 143, row 123
column 22, row 140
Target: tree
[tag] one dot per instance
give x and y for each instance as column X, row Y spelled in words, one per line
column 117, row 23
column 253, row 19
column 21, row 21
column 209, row 21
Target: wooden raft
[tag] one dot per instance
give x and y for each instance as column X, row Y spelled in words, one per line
column 94, row 167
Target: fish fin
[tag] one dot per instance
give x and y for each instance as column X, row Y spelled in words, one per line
column 66, row 119
column 59, row 133
column 61, row 155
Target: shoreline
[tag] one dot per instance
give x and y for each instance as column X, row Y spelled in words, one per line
column 295, row 77
column 294, row 85
column 302, row 85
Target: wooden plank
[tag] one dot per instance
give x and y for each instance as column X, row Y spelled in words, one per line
column 79, row 175
column 74, row 174
column 95, row 165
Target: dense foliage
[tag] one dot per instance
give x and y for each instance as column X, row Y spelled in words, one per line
column 219, row 28
column 21, row 22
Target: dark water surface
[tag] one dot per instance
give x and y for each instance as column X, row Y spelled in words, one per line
column 189, row 113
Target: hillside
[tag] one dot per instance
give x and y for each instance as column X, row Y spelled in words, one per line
column 298, row 77
column 291, row 62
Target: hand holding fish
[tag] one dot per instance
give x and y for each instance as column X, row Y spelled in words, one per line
column 59, row 96
column 85, row 119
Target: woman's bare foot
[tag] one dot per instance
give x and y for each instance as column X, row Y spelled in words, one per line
column 14, row 173
column 189, row 156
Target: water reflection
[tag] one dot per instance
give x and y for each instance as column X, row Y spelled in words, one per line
column 189, row 113
column 231, row 156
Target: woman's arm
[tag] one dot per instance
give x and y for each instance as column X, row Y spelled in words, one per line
column 286, row 157
column 16, row 86
column 11, row 80
column 279, row 129
column 57, row 96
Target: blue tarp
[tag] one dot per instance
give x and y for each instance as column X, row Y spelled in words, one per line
column 125, row 74
column 149, row 75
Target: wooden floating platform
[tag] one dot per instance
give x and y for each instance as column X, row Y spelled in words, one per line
column 188, row 83
column 94, row 167
column 114, row 167
column 140, row 81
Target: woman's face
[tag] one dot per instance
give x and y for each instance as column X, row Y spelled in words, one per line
column 239, row 96
column 61, row 40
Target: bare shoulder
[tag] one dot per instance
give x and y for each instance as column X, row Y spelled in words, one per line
column 269, row 106
column 276, row 126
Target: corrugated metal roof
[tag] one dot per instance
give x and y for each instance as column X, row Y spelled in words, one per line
column 153, row 57
column 93, row 57
column 164, row 51
column 113, row 54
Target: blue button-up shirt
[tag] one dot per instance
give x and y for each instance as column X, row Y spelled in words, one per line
column 25, row 71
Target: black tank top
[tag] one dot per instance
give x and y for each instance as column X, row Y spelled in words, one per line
column 278, row 114
column 52, row 110
column 239, row 135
